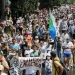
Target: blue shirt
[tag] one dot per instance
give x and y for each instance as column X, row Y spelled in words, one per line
column 15, row 46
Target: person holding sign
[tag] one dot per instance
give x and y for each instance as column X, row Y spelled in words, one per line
column 29, row 71
column 36, row 52
column 32, row 53
column 3, row 63
column 1, row 70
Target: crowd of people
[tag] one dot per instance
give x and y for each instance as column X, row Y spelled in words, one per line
column 29, row 36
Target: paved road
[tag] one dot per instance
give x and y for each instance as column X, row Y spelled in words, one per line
column 72, row 71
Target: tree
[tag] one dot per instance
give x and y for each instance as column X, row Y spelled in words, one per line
column 23, row 6
column 0, row 8
column 71, row 1
column 50, row 3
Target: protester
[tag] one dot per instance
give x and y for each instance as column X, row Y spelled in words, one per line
column 36, row 52
column 67, row 52
column 3, row 61
column 57, row 68
column 73, row 52
column 1, row 70
column 29, row 36
column 48, row 65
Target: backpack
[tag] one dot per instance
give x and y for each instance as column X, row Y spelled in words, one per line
column 65, row 69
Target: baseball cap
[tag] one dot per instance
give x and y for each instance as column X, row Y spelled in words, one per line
column 53, row 53
column 1, row 67
column 36, row 36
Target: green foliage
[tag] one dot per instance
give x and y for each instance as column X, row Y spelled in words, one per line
column 23, row 6
column 71, row 1
column 0, row 8
column 50, row 3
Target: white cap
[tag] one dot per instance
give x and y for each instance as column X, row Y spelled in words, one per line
column 1, row 67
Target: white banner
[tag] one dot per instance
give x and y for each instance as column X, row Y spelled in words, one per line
column 30, row 62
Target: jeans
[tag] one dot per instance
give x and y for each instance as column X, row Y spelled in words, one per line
column 47, row 73
column 31, row 74
column 59, row 52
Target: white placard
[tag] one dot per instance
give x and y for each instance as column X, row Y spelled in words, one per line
column 30, row 62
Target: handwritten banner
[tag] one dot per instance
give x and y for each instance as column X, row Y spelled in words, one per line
column 17, row 65
column 30, row 62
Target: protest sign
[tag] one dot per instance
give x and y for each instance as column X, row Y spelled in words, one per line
column 30, row 62
column 14, row 66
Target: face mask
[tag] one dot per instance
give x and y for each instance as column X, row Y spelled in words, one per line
column 67, row 41
column 48, row 58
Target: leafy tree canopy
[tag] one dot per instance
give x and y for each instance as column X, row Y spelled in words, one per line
column 24, row 6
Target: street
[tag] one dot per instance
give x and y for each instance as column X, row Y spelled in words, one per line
column 72, row 71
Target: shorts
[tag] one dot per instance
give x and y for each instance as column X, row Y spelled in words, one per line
column 68, row 55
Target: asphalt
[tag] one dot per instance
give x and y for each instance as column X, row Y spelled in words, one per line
column 72, row 71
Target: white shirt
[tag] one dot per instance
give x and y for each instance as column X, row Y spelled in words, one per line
column 65, row 36
column 19, row 38
column 36, row 41
column 69, row 15
column 43, row 48
column 57, row 29
column 48, row 64
column 49, row 49
column 64, row 27
column 18, row 21
column 3, row 74
column 27, row 52
column 65, row 44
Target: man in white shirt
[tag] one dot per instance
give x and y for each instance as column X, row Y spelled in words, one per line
column 67, row 52
column 19, row 37
column 65, row 35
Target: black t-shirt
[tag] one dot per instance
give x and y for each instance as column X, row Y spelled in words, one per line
column 74, row 36
column 43, row 39
column 23, row 47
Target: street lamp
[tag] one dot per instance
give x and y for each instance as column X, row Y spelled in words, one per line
column 5, row 3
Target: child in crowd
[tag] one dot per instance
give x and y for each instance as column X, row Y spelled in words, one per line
column 48, row 65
